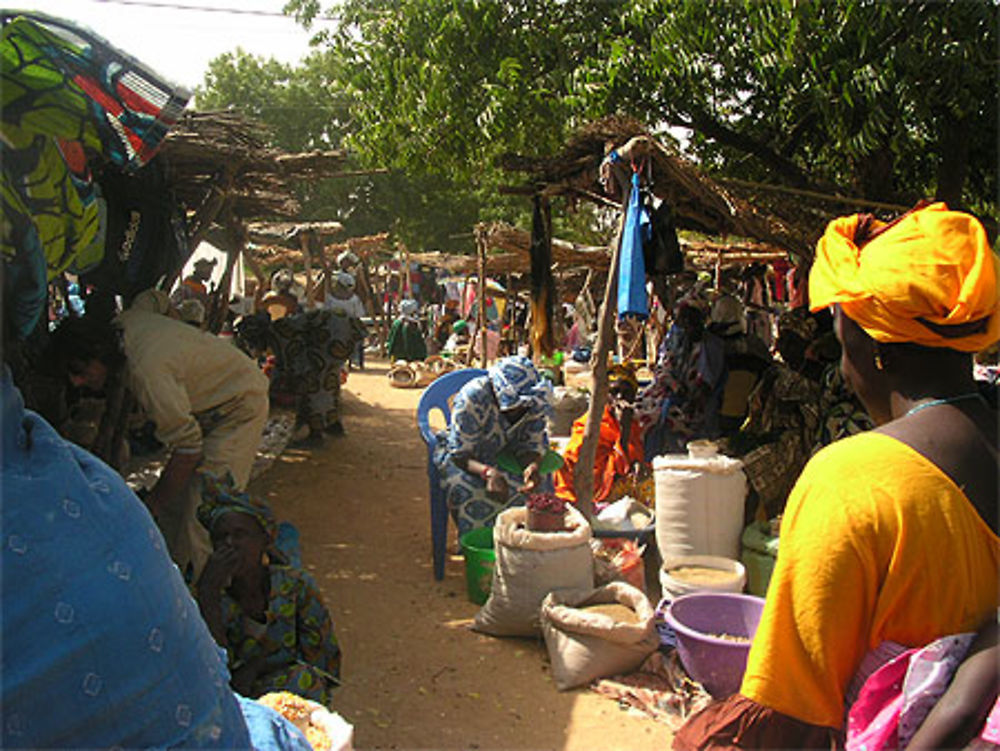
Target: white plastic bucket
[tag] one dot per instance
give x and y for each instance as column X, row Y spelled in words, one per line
column 732, row 575
column 699, row 503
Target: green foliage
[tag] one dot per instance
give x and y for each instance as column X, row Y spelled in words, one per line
column 301, row 105
column 856, row 94
column 893, row 101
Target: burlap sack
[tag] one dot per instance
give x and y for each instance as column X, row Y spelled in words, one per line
column 528, row 566
column 584, row 646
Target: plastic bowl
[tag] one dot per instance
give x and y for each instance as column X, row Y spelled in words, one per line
column 732, row 575
column 716, row 663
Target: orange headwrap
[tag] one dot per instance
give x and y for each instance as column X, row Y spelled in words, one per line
column 930, row 278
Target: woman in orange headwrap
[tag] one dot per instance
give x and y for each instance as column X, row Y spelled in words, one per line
column 875, row 519
column 619, row 446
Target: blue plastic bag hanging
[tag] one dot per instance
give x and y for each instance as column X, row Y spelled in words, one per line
column 631, row 267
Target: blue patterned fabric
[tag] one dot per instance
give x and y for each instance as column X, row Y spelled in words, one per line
column 479, row 430
column 102, row 644
column 517, row 383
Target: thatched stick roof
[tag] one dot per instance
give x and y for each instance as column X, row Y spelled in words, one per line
column 288, row 234
column 699, row 203
column 222, row 151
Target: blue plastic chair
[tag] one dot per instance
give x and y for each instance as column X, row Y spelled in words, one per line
column 438, row 396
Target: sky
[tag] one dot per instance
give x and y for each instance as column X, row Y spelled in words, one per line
column 178, row 38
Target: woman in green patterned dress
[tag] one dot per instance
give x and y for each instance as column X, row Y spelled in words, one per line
column 267, row 615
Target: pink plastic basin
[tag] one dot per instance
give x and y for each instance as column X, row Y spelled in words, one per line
column 716, row 663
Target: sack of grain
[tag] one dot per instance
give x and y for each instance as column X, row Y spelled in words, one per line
column 528, row 566
column 597, row 633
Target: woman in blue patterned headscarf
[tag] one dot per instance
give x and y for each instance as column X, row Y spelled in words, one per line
column 497, row 426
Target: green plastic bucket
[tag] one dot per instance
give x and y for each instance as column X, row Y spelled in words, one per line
column 477, row 545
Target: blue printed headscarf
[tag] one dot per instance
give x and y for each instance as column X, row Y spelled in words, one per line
column 517, row 383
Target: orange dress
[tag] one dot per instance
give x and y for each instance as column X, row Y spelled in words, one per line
column 609, row 462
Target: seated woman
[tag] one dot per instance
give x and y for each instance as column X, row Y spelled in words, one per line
column 619, row 446
column 874, row 517
column 268, row 616
column 494, row 417
column 681, row 403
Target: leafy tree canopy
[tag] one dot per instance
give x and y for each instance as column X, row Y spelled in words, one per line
column 890, row 101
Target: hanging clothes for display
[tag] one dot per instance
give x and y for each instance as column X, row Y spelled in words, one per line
column 69, row 96
column 543, row 286
column 146, row 234
column 632, row 298
column 661, row 250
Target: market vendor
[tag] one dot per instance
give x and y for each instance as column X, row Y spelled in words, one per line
column 876, row 519
column 310, row 350
column 193, row 286
column 280, row 301
column 496, row 418
column 344, row 297
column 207, row 399
column 681, row 403
column 406, row 337
column 267, row 614
column 459, row 339
column 619, row 459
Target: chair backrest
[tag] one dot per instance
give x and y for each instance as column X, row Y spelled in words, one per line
column 438, row 395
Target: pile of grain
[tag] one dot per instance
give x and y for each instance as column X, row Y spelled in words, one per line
column 701, row 575
column 614, row 610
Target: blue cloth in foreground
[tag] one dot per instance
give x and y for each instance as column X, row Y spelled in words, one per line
column 103, row 645
column 269, row 730
column 632, row 298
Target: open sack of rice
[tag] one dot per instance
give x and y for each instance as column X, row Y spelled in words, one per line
column 528, row 566
column 325, row 730
column 596, row 633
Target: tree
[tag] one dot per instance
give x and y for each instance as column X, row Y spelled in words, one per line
column 886, row 100
column 306, row 107
column 891, row 101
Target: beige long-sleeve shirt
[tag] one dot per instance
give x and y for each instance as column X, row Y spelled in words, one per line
column 178, row 372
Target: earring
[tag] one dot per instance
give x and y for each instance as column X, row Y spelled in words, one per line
column 265, row 559
column 879, row 365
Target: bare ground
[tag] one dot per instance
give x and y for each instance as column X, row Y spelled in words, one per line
column 415, row 676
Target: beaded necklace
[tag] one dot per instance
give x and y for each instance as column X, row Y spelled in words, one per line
column 946, row 400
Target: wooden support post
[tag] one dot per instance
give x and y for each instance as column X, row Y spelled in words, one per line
column 219, row 303
column 583, row 476
column 481, row 315
column 510, row 310
column 304, row 241
column 261, row 278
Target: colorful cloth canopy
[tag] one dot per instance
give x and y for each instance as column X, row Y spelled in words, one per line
column 67, row 96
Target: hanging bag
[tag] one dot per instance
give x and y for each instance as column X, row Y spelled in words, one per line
column 631, row 265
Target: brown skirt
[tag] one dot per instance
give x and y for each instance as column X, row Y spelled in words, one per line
column 739, row 723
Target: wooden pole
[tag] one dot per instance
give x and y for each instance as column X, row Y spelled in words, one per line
column 583, row 475
column 481, row 316
column 304, row 242
column 219, row 304
column 509, row 311
column 261, row 278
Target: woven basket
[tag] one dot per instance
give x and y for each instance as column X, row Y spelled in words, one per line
column 402, row 377
column 425, row 375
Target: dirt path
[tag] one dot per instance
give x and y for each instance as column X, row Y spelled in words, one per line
column 415, row 676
